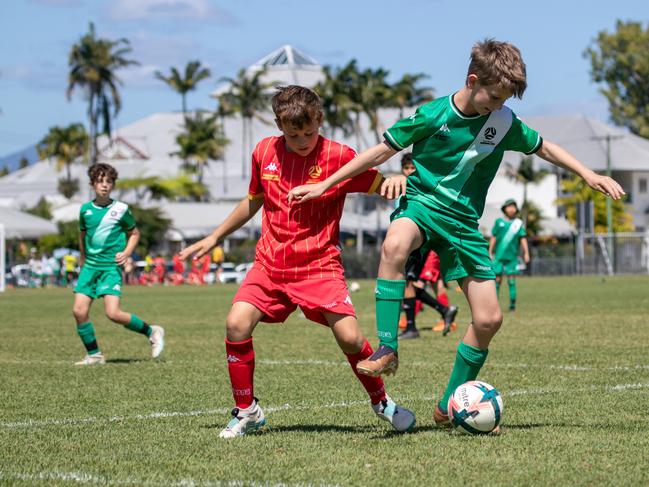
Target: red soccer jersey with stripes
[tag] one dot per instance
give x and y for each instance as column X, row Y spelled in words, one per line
column 301, row 240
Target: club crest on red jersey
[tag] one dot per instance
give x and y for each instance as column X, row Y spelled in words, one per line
column 315, row 172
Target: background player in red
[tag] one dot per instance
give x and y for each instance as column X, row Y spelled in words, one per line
column 297, row 261
column 431, row 273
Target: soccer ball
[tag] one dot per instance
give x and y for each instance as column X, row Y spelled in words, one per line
column 354, row 287
column 475, row 408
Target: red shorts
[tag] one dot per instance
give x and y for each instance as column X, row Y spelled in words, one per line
column 431, row 270
column 277, row 299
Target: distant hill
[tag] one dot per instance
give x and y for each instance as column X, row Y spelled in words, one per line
column 12, row 161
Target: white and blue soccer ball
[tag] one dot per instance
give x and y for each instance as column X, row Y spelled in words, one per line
column 475, row 408
column 354, row 287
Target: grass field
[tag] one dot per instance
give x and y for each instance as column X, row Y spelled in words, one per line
column 572, row 365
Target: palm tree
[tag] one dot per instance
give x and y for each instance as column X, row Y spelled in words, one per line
column 179, row 187
column 374, row 93
column 65, row 145
column 405, row 92
column 248, row 96
column 93, row 63
column 350, row 80
column 526, row 175
column 224, row 109
column 336, row 103
column 194, row 74
column 200, row 142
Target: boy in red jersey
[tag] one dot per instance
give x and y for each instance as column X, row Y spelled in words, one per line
column 297, row 262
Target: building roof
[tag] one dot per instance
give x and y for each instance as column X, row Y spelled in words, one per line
column 584, row 138
column 284, row 66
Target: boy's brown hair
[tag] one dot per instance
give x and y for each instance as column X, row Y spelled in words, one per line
column 500, row 63
column 406, row 159
column 297, row 106
column 100, row 170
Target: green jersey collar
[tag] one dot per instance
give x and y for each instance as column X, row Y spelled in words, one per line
column 458, row 112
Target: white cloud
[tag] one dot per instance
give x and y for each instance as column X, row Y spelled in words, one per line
column 198, row 10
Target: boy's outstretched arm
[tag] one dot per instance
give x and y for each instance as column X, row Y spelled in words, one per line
column 241, row 214
column 362, row 162
column 558, row 156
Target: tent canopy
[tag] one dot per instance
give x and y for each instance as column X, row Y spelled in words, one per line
column 21, row 225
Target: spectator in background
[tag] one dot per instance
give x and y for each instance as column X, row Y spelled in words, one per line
column 218, row 256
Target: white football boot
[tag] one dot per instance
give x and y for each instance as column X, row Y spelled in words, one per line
column 244, row 421
column 400, row 418
column 157, row 340
column 94, row 359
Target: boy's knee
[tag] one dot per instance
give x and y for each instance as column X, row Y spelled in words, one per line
column 80, row 313
column 350, row 342
column 237, row 327
column 488, row 321
column 394, row 250
column 113, row 315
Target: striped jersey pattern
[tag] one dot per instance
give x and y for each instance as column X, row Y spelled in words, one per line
column 301, row 240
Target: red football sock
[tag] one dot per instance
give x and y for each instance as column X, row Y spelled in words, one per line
column 241, row 366
column 443, row 299
column 373, row 385
column 418, row 306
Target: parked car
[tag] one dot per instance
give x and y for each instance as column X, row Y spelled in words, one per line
column 234, row 273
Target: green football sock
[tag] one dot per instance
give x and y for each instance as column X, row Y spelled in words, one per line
column 389, row 294
column 512, row 292
column 139, row 326
column 87, row 334
column 468, row 362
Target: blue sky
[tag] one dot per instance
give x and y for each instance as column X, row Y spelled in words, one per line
column 430, row 36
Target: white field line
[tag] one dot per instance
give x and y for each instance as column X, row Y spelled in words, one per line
column 86, row 478
column 298, row 407
column 337, row 363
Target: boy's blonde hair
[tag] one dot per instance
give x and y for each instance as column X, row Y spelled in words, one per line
column 499, row 63
column 297, row 106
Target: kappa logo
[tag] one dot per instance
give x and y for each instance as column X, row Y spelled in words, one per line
column 348, row 300
column 117, row 287
column 232, row 359
column 272, row 167
column 87, row 213
column 443, row 133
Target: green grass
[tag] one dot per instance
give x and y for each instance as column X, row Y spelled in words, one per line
column 572, row 365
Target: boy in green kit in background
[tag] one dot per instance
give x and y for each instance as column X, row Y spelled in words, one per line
column 458, row 142
column 108, row 238
column 507, row 234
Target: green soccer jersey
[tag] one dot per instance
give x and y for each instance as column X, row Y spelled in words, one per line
column 456, row 156
column 105, row 228
column 508, row 234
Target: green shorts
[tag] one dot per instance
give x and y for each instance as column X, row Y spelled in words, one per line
column 95, row 283
column 462, row 249
column 507, row 267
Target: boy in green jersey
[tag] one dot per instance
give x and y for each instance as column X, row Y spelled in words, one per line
column 457, row 146
column 108, row 238
column 506, row 236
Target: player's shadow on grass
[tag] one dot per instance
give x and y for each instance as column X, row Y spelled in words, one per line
column 120, row 361
column 307, row 428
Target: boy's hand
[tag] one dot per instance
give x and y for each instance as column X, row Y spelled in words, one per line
column 393, row 187
column 306, row 192
column 121, row 258
column 606, row 185
column 199, row 249
column 526, row 258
